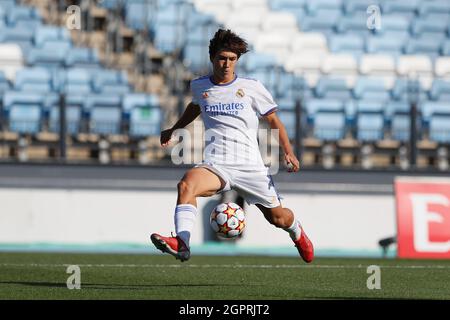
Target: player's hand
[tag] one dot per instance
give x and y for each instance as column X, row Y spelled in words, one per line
column 166, row 135
column 292, row 162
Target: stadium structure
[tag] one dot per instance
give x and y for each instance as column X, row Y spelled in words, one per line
column 363, row 88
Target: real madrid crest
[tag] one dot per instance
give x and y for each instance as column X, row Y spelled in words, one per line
column 240, row 93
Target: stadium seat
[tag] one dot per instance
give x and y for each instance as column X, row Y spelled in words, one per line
column 354, row 24
column 324, row 21
column 110, row 81
column 310, row 42
column 306, row 65
column 332, row 88
column 404, row 7
column 342, row 65
column 329, row 126
column 73, row 119
column 313, row 6
column 24, row 16
column 18, row 35
column 416, row 66
column 369, row 120
column 440, row 90
column 314, row 106
column 386, row 44
column 442, row 66
column 104, row 113
column 408, row 91
column 50, row 33
column 145, row 121
column 82, row 57
column 423, row 46
column 287, row 117
column 356, row 6
column 34, row 80
column 275, row 44
column 433, row 6
column 281, row 22
column 78, row 81
column 372, row 88
column 379, row 65
column 11, row 60
column 432, row 108
column 342, row 43
column 51, row 54
column 23, row 111
column 440, row 128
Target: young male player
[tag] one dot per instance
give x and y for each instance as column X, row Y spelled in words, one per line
column 230, row 107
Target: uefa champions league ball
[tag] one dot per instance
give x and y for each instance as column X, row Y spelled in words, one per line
column 227, row 220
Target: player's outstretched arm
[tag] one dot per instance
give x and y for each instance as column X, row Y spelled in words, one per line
column 192, row 111
column 289, row 156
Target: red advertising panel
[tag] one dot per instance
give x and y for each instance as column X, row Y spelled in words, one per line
column 423, row 217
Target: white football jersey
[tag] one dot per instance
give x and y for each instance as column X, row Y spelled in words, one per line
column 231, row 114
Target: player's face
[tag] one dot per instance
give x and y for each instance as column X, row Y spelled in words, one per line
column 223, row 65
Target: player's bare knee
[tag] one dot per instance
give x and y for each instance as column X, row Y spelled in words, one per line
column 185, row 189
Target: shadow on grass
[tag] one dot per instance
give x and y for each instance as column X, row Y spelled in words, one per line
column 102, row 286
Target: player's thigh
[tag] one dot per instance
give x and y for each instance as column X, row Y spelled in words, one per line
column 202, row 182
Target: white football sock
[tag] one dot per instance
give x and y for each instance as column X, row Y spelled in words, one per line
column 294, row 230
column 185, row 215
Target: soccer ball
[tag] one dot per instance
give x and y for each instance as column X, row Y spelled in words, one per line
column 227, row 220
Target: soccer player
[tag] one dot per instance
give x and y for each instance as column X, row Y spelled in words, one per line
column 230, row 107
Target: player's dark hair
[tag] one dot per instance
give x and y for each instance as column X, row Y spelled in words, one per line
column 229, row 41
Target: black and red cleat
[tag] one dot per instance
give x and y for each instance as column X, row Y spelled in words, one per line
column 171, row 245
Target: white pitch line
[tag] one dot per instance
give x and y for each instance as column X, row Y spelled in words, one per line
column 237, row 266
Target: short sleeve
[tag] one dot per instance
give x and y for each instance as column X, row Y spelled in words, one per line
column 263, row 100
column 194, row 92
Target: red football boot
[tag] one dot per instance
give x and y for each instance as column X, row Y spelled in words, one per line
column 172, row 245
column 305, row 247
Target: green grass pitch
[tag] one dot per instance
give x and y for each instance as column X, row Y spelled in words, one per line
column 161, row 277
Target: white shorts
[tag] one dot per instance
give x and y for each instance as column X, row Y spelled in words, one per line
column 256, row 187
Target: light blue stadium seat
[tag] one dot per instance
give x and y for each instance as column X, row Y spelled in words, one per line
column 440, row 90
column 24, row 16
column 408, row 90
column 287, row 5
column 286, row 104
column 82, row 57
column 385, row 44
column 329, row 126
column 423, row 46
column 369, row 120
column 50, row 33
column 313, row 6
column 111, row 81
column 405, row 7
column 353, row 6
column 371, row 88
column 433, row 6
column 169, row 37
column 145, row 121
column 326, row 110
column 445, row 48
column 33, row 80
column 431, row 108
column 138, row 100
column 398, row 119
column 78, row 81
column 342, row 43
column 6, row 5
column 104, row 113
column 73, row 119
column 354, row 24
column 20, row 35
column 440, row 128
column 324, row 21
column 292, row 86
column 429, row 24
column 332, row 88
column 23, row 111
column 138, row 15
column 51, row 54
